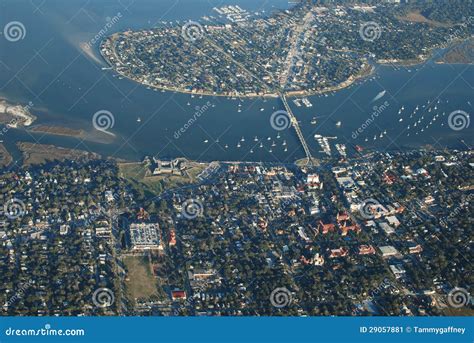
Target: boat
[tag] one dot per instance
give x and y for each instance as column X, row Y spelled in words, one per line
column 286, row 149
column 206, row 141
column 139, row 120
column 284, row 143
column 278, row 135
column 313, row 121
column 226, row 146
column 338, row 124
column 242, row 139
column 238, row 145
column 261, row 145
column 273, row 143
column 401, row 119
column 255, row 139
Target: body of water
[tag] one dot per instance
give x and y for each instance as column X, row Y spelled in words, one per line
column 67, row 86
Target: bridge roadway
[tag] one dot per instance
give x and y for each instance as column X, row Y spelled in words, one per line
column 295, row 124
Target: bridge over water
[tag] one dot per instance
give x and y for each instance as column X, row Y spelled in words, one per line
column 296, row 126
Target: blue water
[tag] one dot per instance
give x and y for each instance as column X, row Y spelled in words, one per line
column 67, row 87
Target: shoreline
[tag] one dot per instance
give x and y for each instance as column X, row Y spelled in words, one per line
column 58, row 131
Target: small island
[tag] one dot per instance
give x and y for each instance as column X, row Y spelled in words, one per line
column 14, row 115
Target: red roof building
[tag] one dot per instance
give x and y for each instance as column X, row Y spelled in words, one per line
column 345, row 229
column 366, row 250
column 340, row 252
column 177, row 295
column 325, row 228
column 172, row 241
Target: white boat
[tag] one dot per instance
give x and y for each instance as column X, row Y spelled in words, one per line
column 338, row 124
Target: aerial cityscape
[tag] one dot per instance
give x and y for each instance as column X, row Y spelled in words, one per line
column 261, row 158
